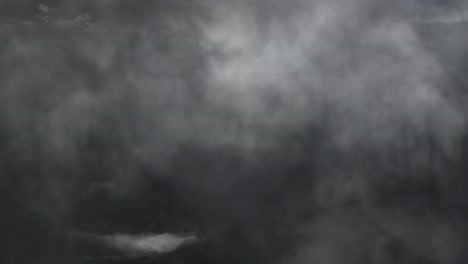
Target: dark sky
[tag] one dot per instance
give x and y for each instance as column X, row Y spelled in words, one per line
column 281, row 131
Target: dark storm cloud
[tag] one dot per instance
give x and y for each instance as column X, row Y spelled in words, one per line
column 259, row 112
column 363, row 72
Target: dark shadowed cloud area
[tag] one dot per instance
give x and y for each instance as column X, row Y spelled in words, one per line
column 262, row 131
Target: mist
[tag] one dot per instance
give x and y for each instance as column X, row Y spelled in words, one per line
column 304, row 131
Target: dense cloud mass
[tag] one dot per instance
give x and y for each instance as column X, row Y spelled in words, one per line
column 291, row 132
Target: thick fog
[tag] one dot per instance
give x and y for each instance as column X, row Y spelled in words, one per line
column 266, row 131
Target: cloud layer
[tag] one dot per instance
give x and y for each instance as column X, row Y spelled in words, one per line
column 262, row 116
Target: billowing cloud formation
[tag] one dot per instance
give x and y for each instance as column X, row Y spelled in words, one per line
column 259, row 114
column 370, row 72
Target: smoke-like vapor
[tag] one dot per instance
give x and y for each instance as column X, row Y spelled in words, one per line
column 367, row 77
column 290, row 131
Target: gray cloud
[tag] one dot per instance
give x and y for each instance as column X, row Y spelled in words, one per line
column 250, row 108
